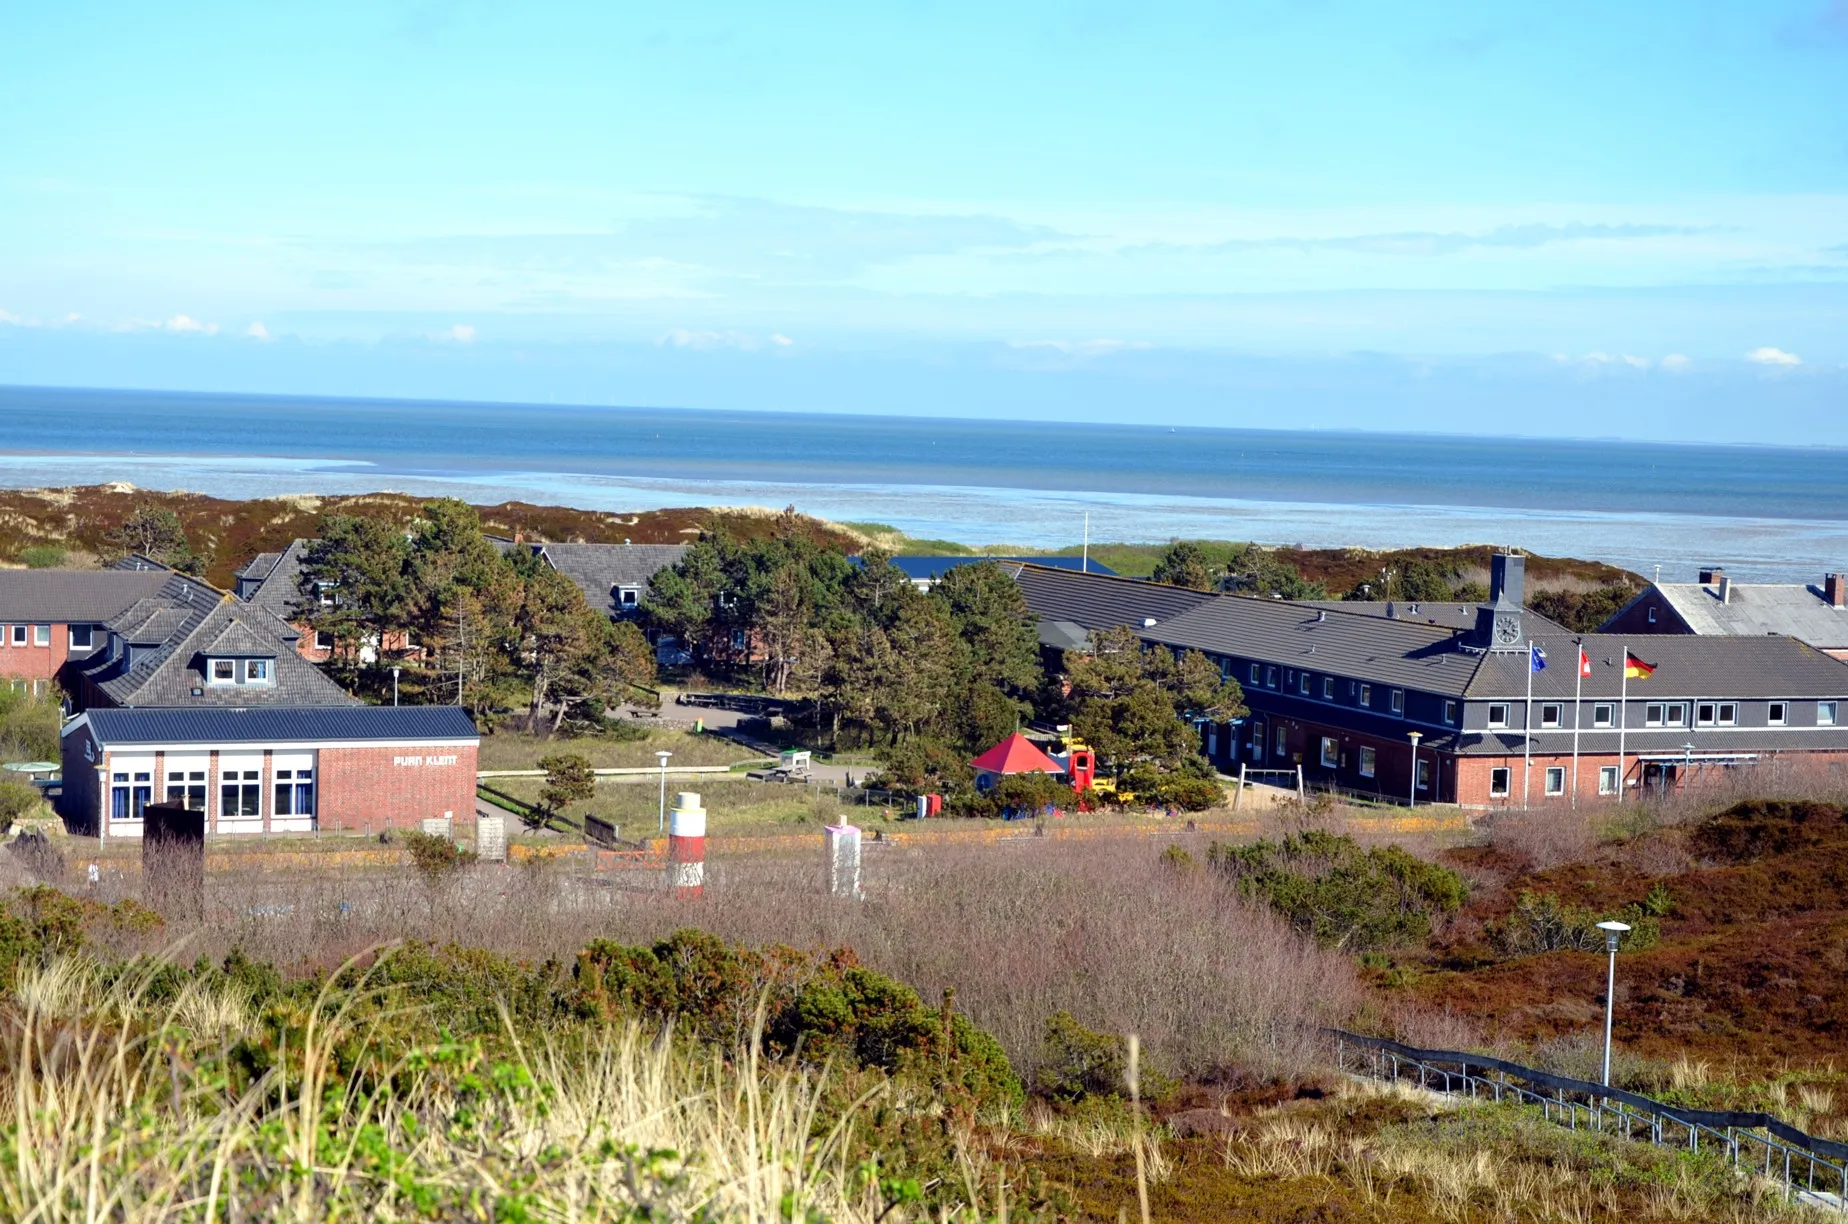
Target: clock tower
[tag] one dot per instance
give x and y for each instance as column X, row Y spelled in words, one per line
column 1499, row 622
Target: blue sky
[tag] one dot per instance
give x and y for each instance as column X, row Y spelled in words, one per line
column 1626, row 219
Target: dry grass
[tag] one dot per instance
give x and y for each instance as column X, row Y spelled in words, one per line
column 1103, row 931
column 114, row 1112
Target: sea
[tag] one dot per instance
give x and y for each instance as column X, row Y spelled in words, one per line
column 1766, row 513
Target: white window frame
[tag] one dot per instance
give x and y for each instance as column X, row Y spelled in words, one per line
column 1282, row 738
column 1652, row 612
column 212, row 677
column 89, row 637
column 1826, row 712
column 1494, row 721
column 1368, row 763
column 184, row 772
column 258, row 671
column 1328, row 688
column 1501, row 781
column 1397, row 702
column 1270, row 676
column 1603, row 714
column 1450, row 713
column 1607, row 779
column 1366, row 695
column 1254, row 673
column 244, row 770
column 1422, row 775
column 1302, row 683
column 1331, row 752
column 1776, row 713
column 19, row 635
column 41, row 635
column 1555, row 779
column 296, row 771
column 1728, row 714
column 1552, row 713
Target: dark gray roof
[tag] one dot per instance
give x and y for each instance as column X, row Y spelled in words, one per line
column 1097, row 601
column 1686, row 667
column 294, row 724
column 260, row 566
column 921, row 568
column 174, row 633
column 73, row 596
column 1448, row 614
column 599, row 569
column 279, row 589
column 1352, row 644
column 1753, row 609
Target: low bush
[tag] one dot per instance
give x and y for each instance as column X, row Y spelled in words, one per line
column 1541, row 922
column 17, row 799
column 1344, row 896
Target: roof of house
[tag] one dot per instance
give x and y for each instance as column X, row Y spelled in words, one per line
column 920, row 569
column 1449, row 614
column 185, row 623
column 73, row 596
column 1016, row 754
column 291, row 724
column 279, row 575
column 1753, row 609
column 600, row 570
column 1430, row 658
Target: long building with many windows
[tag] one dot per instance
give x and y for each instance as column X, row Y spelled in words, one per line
column 1505, row 712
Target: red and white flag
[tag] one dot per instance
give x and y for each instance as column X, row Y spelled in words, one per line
column 1584, row 664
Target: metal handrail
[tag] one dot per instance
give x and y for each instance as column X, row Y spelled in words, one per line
column 1617, row 1111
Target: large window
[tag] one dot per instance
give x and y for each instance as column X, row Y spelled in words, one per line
column 223, row 671
column 1552, row 714
column 186, row 787
column 1665, row 714
column 294, row 792
column 82, row 636
column 1716, row 714
column 1825, row 713
column 1369, row 762
column 1775, row 715
column 256, row 671
column 1555, row 780
column 1498, row 782
column 130, row 792
column 1602, row 715
column 1331, row 752
column 240, row 794
column 1498, row 714
column 1607, row 779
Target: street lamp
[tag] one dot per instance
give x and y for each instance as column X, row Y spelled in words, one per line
column 1613, row 931
column 662, row 757
column 394, row 686
column 1412, row 795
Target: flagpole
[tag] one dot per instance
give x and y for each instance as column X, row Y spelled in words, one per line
column 1578, row 692
column 1527, row 732
column 1623, row 720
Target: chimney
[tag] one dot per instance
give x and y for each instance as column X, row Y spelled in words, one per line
column 1725, row 589
column 1508, row 580
column 1835, row 590
column 1711, row 575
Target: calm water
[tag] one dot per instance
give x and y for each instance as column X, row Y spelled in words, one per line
column 1763, row 511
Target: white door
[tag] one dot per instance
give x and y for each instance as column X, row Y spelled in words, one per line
column 292, row 795
column 240, row 792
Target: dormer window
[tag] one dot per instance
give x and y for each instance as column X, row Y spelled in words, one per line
column 221, row 672
column 628, row 597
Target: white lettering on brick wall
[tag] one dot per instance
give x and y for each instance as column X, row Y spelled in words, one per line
column 418, row 761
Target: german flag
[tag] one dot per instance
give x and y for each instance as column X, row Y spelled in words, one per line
column 1635, row 669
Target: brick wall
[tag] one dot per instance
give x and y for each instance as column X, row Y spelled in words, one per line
column 379, row 787
column 32, row 662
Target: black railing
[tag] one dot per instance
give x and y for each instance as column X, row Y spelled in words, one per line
column 1756, row 1142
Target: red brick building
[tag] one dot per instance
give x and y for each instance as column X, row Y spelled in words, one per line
column 49, row 618
column 1405, row 709
column 275, row 770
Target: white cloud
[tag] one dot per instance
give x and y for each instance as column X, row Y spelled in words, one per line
column 781, row 341
column 461, row 333
column 7, row 316
column 1641, row 363
column 682, row 337
column 1766, row 355
column 1081, row 348
column 185, row 323
column 1675, row 363
column 256, row 331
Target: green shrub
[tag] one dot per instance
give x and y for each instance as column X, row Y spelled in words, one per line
column 1541, row 922
column 29, row 726
column 42, row 556
column 17, row 799
column 436, row 859
column 815, row 1006
column 1342, row 895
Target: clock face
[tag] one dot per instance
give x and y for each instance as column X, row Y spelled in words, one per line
column 1507, row 631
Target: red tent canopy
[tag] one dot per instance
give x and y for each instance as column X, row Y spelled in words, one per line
column 1016, row 754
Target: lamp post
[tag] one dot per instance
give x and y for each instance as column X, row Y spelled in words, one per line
column 1613, row 931
column 394, row 686
column 1412, row 793
column 662, row 757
